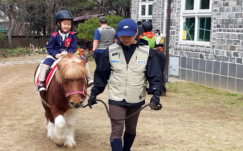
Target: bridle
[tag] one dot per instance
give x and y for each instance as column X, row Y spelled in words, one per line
column 83, row 93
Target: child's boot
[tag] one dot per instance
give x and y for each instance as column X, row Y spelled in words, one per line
column 42, row 76
column 90, row 80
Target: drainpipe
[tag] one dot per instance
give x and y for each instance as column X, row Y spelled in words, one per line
column 167, row 39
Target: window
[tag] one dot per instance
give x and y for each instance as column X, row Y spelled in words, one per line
column 189, row 5
column 146, row 10
column 150, row 11
column 204, row 4
column 196, row 21
column 204, row 26
column 143, row 10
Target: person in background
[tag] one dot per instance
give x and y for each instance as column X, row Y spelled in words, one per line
column 80, row 53
column 147, row 34
column 140, row 29
column 103, row 38
column 159, row 37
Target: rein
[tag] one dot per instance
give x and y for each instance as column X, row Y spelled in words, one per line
column 151, row 105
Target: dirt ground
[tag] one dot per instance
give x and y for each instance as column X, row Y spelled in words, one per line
column 187, row 122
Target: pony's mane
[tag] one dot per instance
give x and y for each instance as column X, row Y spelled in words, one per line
column 70, row 67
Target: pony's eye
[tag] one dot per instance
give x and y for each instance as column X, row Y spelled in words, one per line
column 66, row 82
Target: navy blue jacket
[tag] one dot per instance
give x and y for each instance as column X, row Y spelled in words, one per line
column 103, row 71
column 56, row 45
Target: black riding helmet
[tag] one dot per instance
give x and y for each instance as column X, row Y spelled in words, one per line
column 147, row 26
column 63, row 15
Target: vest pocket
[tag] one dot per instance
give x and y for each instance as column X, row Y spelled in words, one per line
column 138, row 68
column 115, row 91
column 136, row 94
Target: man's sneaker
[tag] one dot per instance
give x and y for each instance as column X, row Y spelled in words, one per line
column 90, row 81
column 41, row 88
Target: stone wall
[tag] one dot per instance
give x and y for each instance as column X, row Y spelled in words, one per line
column 158, row 13
column 135, row 10
column 220, row 64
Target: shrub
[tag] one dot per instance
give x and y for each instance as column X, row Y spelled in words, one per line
column 2, row 36
column 14, row 52
column 86, row 29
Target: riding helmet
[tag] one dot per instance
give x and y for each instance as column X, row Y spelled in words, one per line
column 147, row 26
column 62, row 15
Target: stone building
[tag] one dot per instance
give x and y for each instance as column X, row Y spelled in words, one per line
column 206, row 41
column 150, row 10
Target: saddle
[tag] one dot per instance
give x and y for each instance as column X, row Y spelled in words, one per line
column 49, row 75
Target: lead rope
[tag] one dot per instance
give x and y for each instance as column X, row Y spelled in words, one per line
column 152, row 106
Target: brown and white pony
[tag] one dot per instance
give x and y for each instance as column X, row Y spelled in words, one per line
column 64, row 96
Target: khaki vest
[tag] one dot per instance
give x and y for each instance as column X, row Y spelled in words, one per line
column 107, row 35
column 128, row 81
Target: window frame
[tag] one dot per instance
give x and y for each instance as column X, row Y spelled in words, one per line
column 196, row 13
column 146, row 16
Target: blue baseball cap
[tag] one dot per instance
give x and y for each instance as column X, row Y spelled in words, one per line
column 127, row 27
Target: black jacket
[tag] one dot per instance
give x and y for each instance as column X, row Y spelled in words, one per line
column 103, row 70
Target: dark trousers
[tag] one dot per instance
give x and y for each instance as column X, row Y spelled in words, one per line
column 97, row 57
column 118, row 126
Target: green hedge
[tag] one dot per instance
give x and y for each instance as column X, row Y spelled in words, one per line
column 14, row 52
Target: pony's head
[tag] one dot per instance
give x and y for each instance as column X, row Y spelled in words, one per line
column 70, row 74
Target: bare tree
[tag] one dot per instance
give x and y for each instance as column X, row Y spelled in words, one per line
column 117, row 7
column 8, row 7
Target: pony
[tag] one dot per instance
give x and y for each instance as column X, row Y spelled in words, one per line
column 65, row 94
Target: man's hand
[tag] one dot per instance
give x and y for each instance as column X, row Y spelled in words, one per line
column 155, row 99
column 93, row 53
column 58, row 55
column 92, row 100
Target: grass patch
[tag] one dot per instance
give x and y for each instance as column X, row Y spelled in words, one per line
column 231, row 94
column 197, row 95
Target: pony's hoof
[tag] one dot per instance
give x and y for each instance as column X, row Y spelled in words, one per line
column 71, row 145
column 59, row 142
column 59, row 145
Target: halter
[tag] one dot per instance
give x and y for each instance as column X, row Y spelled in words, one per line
column 84, row 92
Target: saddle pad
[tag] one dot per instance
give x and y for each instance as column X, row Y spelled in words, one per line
column 48, row 77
